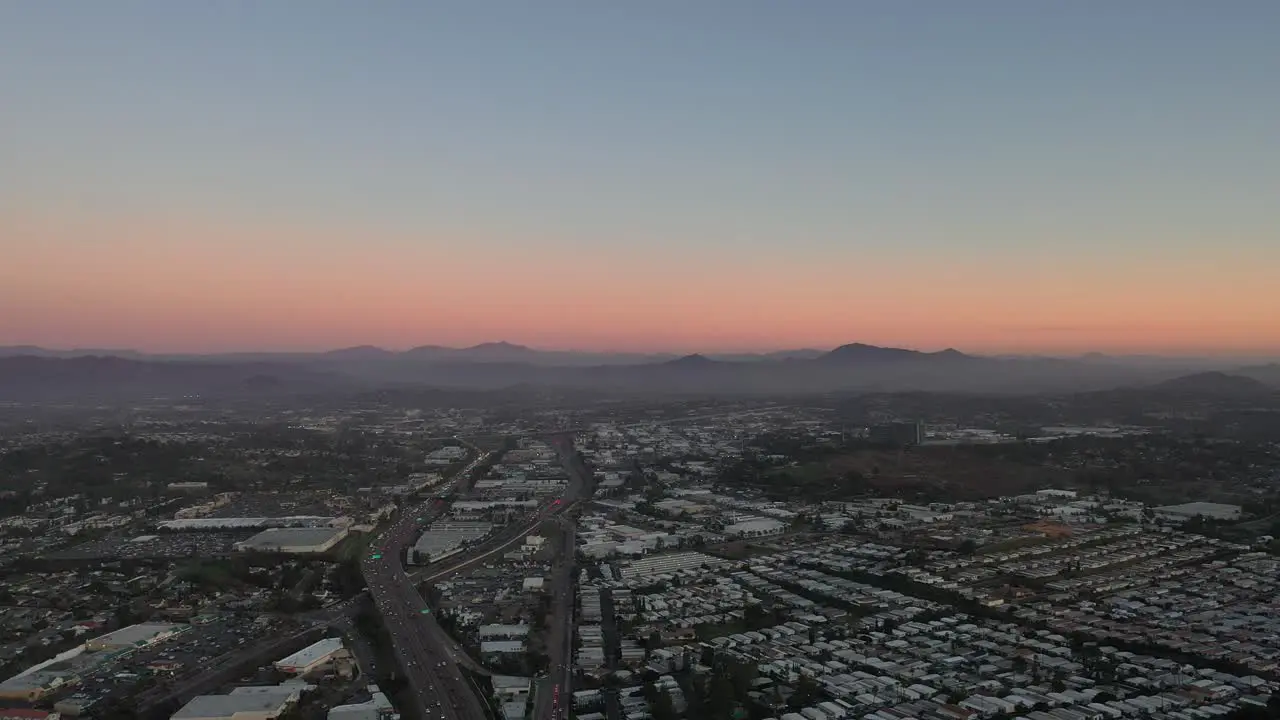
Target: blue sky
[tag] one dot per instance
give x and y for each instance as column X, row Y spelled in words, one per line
column 1007, row 134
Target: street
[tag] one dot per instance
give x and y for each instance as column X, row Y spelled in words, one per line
column 430, row 660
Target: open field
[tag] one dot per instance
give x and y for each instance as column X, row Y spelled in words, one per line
column 921, row 473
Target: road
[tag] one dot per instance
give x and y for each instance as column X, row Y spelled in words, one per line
column 437, row 687
column 429, row 658
column 551, row 695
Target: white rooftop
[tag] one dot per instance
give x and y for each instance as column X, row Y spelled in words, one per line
column 312, row 653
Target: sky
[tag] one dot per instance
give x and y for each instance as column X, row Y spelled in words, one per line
column 660, row 175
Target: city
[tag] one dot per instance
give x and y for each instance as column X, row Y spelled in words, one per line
column 760, row 559
column 661, row 360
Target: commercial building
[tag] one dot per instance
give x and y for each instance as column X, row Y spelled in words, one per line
column 133, row 636
column 495, row 648
column 245, row 523
column 376, row 708
column 244, row 703
column 55, row 674
column 502, row 632
column 445, row 456
column 1186, row 511
column 512, row 694
column 446, row 537
column 297, row 541
column 33, row 686
column 754, row 527
column 265, row 706
column 310, row 658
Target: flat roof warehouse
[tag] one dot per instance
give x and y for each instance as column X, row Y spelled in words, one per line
column 294, row 539
column 134, row 636
column 311, row 655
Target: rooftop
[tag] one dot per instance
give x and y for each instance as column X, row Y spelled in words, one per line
column 133, row 635
column 222, row 706
column 291, row 537
column 310, row 654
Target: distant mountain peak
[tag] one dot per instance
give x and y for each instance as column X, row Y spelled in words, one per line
column 360, row 351
column 502, row 345
column 1214, row 383
column 692, row 360
column 862, row 352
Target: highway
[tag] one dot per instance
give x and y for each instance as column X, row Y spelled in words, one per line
column 552, row 692
column 552, row 696
column 429, row 658
column 437, row 686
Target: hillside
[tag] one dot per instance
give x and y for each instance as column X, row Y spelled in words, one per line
column 1214, row 383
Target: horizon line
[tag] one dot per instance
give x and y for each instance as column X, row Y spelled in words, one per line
column 1217, row 354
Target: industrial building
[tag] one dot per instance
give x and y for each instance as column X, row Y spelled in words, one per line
column 310, row 658
column 502, row 632
column 494, row 648
column 243, row 703
column 445, row 537
column 55, row 674
column 752, row 526
column 133, row 636
column 377, row 708
column 30, row 687
column 298, row 541
column 246, row 523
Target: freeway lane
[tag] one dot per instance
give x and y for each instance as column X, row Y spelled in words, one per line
column 437, row 687
column 552, row 690
column 428, row 657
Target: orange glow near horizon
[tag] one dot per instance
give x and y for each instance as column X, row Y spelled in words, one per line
column 187, row 285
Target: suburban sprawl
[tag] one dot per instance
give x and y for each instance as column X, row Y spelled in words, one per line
column 864, row 559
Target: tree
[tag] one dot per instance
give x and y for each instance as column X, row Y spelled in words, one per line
column 807, row 692
column 968, row 547
column 661, row 706
column 721, row 700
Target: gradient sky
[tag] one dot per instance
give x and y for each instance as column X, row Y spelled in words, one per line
column 665, row 174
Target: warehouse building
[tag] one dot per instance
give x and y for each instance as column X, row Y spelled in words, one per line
column 134, row 636
column 444, row 538
column 310, row 658
column 246, row 523
column 377, row 708
column 296, row 541
column 244, row 703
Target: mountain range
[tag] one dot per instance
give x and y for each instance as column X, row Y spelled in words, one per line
column 33, row 373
